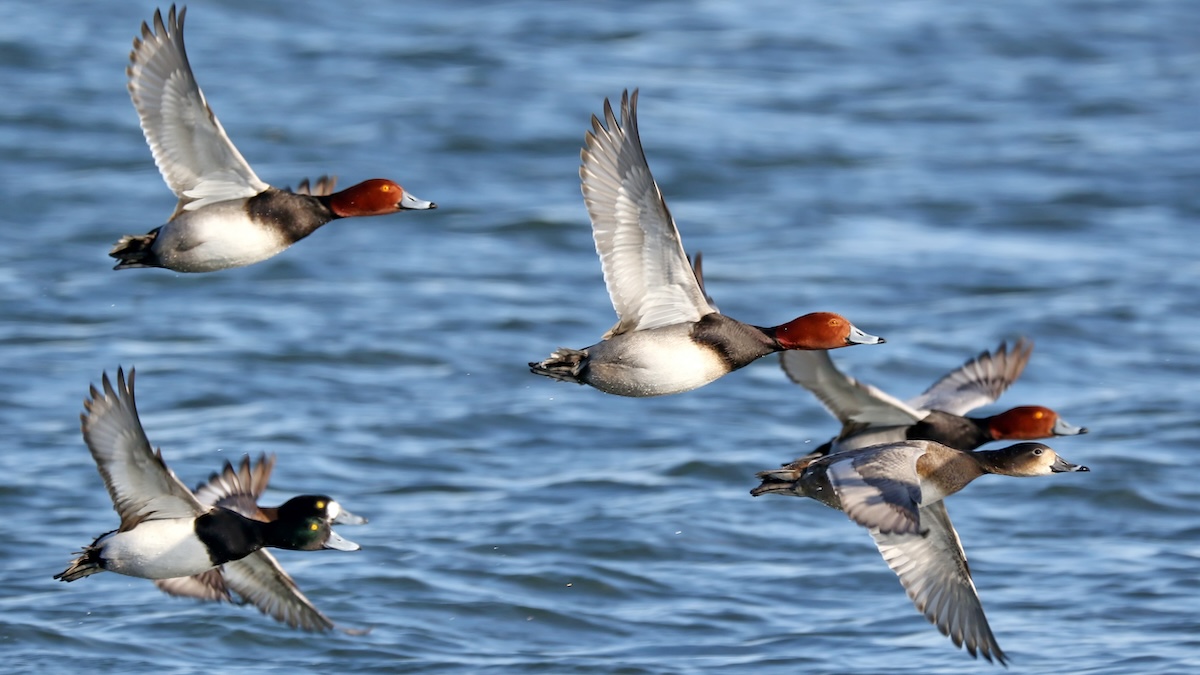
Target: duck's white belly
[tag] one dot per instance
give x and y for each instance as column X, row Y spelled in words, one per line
column 652, row 363
column 156, row 549
column 216, row 237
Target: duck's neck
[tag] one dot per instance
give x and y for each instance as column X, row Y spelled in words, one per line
column 297, row 215
column 989, row 461
column 964, row 433
column 281, row 534
column 958, row 468
column 229, row 535
column 770, row 334
column 737, row 343
column 326, row 201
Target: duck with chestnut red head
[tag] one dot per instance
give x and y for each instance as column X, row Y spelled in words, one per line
column 870, row 416
column 226, row 216
column 209, row 544
column 669, row 336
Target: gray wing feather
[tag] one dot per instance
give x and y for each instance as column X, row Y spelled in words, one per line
column 977, row 382
column 843, row 396
column 238, row 489
column 322, row 188
column 190, row 148
column 933, row 570
column 259, row 580
column 645, row 267
column 878, row 486
column 138, row 481
column 209, row 586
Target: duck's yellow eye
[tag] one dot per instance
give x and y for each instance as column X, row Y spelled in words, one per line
column 320, row 503
column 1038, row 415
column 385, row 188
column 835, row 322
column 314, row 527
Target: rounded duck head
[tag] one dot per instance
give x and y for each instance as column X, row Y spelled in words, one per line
column 322, row 505
column 1030, row 422
column 304, row 523
column 1030, row 459
column 822, row 330
column 375, row 197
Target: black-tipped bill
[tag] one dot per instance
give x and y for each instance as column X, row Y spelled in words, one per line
column 857, row 337
column 410, row 203
column 1065, row 428
column 1061, row 465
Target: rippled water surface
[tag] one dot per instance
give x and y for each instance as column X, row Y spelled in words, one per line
column 945, row 174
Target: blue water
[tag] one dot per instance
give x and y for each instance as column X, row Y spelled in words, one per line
column 945, row 174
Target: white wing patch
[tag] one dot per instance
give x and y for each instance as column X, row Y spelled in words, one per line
column 138, row 481
column 191, row 149
column 260, row 580
column 649, row 279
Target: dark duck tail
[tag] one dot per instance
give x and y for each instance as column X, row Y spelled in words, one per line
column 134, row 251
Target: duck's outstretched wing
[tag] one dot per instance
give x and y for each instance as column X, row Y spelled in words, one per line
column 933, row 569
column 878, row 486
column 645, row 267
column 258, row 579
column 208, row 585
column 977, row 382
column 238, row 489
column 191, row 149
column 138, row 481
column 843, row 396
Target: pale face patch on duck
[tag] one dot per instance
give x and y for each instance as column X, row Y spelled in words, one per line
column 1038, row 461
column 1028, row 459
column 332, row 510
column 1051, row 462
column 340, row 516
